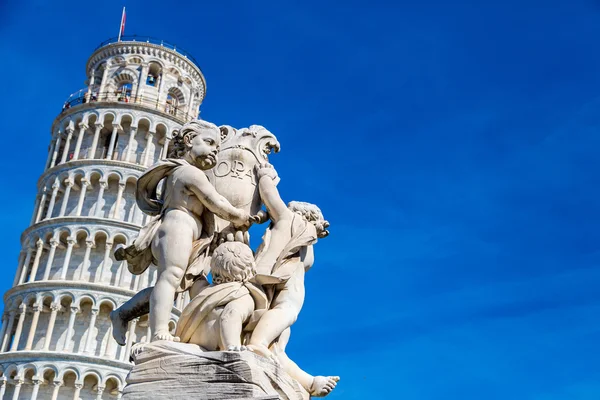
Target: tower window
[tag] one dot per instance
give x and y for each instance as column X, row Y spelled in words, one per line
column 151, row 80
column 171, row 106
column 124, row 92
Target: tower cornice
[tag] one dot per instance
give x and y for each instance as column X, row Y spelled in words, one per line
column 89, row 221
column 110, row 104
column 69, row 165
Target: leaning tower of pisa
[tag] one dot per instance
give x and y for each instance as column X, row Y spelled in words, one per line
column 56, row 340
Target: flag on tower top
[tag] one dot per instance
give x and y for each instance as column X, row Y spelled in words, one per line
column 122, row 28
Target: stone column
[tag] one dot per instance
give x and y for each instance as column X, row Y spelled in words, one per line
column 40, row 209
column 18, row 383
column 22, row 255
column 148, row 331
column 63, row 207
column 3, row 331
column 70, row 243
column 165, row 152
column 36, row 260
column 55, row 188
column 25, row 266
column 109, row 349
column 104, row 265
column 117, row 210
column 130, row 153
column 53, row 311
column 98, row 210
column 103, row 83
column 2, row 387
column 84, row 186
column 159, row 94
column 36, row 387
column 149, row 137
column 88, row 337
column 56, row 148
column 34, row 322
column 89, row 244
column 82, row 129
column 142, row 81
column 8, row 331
column 65, row 153
column 113, row 139
column 57, row 385
column 99, row 392
column 74, row 311
column 50, row 153
column 36, row 206
column 78, row 387
column 92, row 151
column 5, row 318
column 188, row 109
column 134, row 214
column 123, row 268
column 130, row 333
column 90, row 84
column 53, row 245
column 22, row 312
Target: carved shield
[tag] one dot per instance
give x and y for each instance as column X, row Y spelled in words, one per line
column 234, row 176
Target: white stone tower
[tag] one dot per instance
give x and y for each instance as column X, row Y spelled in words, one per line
column 56, row 340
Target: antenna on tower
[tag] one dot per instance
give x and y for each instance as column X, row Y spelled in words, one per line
column 122, row 27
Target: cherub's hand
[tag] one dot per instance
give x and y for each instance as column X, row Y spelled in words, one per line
column 246, row 222
column 322, row 231
column 262, row 217
column 267, row 170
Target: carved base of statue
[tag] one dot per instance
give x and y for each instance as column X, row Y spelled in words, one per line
column 169, row 370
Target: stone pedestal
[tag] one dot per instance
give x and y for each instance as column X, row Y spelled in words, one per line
column 167, row 370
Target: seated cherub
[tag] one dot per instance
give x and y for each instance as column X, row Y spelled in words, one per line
column 215, row 317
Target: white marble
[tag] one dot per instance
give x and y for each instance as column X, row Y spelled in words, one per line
column 169, row 370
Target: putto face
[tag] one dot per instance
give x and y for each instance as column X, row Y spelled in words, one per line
column 204, row 147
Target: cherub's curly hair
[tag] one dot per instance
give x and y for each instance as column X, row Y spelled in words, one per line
column 232, row 262
column 190, row 129
column 312, row 214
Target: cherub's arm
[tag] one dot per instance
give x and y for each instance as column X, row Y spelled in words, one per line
column 267, row 186
column 232, row 319
column 208, row 195
column 270, row 196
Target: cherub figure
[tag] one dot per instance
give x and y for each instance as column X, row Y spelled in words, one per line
column 178, row 239
column 215, row 317
column 281, row 261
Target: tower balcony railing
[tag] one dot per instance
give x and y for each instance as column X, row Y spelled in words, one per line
column 151, row 40
column 83, row 97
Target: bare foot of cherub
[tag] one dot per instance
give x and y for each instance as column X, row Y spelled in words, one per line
column 236, row 348
column 164, row 335
column 262, row 350
column 119, row 327
column 323, row 385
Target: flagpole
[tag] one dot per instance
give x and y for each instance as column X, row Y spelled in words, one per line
column 121, row 25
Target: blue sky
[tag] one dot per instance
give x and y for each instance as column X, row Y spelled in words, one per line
column 453, row 147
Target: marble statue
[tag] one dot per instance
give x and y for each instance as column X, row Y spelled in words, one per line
column 203, row 199
column 215, row 317
column 284, row 256
column 179, row 236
